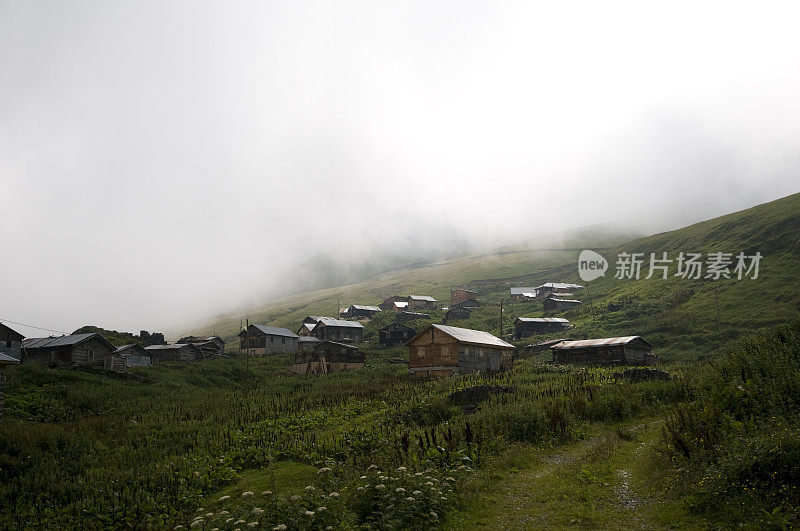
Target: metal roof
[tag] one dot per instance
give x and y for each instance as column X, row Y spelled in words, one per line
column 422, row 298
column 21, row 336
column 473, row 337
column 542, row 320
column 172, row 346
column 61, row 341
column 131, row 347
column 307, row 339
column 368, row 308
column 7, row 360
column 328, row 321
column 401, row 304
column 275, row 331
column 558, row 285
column 522, row 291
column 563, row 300
column 345, row 345
column 593, row 343
column 547, row 342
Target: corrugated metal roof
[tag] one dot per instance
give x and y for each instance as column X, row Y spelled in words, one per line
column 545, row 343
column 563, row 300
column 172, row 346
column 472, row 337
column 275, row 331
column 125, row 348
column 368, row 308
column 61, row 341
column 307, row 339
column 590, row 343
column 327, row 321
column 558, row 285
column 542, row 320
column 338, row 344
column 520, row 291
column 401, row 304
column 7, row 360
column 422, row 298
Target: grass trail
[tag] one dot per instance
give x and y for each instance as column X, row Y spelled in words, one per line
column 604, row 481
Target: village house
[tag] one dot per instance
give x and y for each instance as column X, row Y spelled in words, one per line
column 533, row 348
column 327, row 357
column 88, row 350
column 460, row 295
column 390, row 304
column 469, row 304
column 395, row 335
column 421, row 302
column 210, row 345
column 442, row 350
column 528, row 326
column 522, row 293
column 174, row 352
column 404, row 317
column 456, row 313
column 306, row 328
column 134, row 355
column 359, row 311
column 553, row 303
column 338, row 330
column 559, row 288
column 262, row 340
column 5, row 361
column 307, row 343
column 10, row 342
column 631, row 350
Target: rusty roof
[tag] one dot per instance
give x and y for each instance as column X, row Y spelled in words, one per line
column 595, row 343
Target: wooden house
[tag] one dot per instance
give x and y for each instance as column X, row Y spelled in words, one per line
column 174, row 352
column 210, row 345
column 456, row 313
column 88, row 350
column 263, row 340
column 306, row 328
column 327, row 357
column 307, row 343
column 338, row 330
column 388, row 304
column 631, row 350
column 10, row 342
column 533, row 348
column 528, row 326
column 404, row 317
column 395, row 335
column 359, row 311
column 134, row 355
column 469, row 304
column 5, row 361
column 460, row 295
column 442, row 350
column 421, row 302
column 561, row 288
column 554, row 303
column 521, row 293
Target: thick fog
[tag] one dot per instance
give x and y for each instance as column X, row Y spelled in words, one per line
column 164, row 161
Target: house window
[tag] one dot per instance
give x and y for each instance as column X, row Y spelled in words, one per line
column 283, row 340
column 91, row 354
column 271, row 339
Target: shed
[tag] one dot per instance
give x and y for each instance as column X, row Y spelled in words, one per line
column 210, row 345
column 134, row 355
column 327, row 357
column 389, row 303
column 338, row 330
column 306, row 343
column 5, row 361
column 533, row 348
column 553, row 303
column 456, row 313
column 461, row 294
column 520, row 293
column 552, row 287
column 395, row 335
column 265, row 340
column 404, row 317
column 442, row 350
column 470, row 304
column 528, row 326
column 10, row 342
column 421, row 302
column 632, row 350
column 174, row 352
column 359, row 311
column 88, row 350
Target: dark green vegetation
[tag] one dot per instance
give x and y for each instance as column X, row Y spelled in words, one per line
column 115, row 338
column 224, row 443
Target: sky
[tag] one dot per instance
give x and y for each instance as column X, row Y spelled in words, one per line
column 166, row 161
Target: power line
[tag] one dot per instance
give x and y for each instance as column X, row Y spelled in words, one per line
column 31, row 326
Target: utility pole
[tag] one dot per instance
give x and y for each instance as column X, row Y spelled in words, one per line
column 247, row 335
column 501, row 319
column 591, row 305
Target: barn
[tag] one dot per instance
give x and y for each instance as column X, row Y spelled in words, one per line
column 421, row 302
column 174, row 352
column 553, row 303
column 359, row 311
column 87, row 350
column 442, row 350
column 459, row 295
column 338, row 330
column 630, row 350
column 10, row 342
column 262, row 340
column 327, row 357
column 395, row 335
column 134, row 355
column 528, row 326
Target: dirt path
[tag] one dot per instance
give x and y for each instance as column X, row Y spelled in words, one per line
column 600, row 482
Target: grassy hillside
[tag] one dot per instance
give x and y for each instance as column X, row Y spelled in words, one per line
column 679, row 316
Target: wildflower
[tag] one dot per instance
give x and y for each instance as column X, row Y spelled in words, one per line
column 434, row 515
column 418, row 474
column 295, row 497
column 309, row 513
column 429, row 483
column 372, row 467
column 267, row 493
column 279, row 527
column 178, row 527
column 321, row 509
column 197, row 522
column 360, row 489
column 329, row 528
column 417, row 492
column 323, row 470
column 448, row 478
column 200, row 510
column 402, row 469
column 380, row 486
column 246, row 494
column 399, row 490
column 229, row 520
column 239, row 522
column 224, row 498
column 409, row 499
column 333, row 495
column 252, row 524
column 223, row 513
column 363, row 477
column 257, row 511
column 310, row 488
